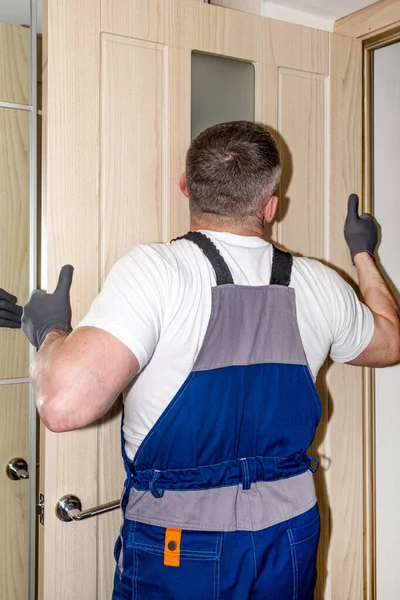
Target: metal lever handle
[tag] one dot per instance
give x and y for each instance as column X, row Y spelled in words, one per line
column 17, row 469
column 69, row 508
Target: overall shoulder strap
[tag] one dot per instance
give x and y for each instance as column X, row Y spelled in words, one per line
column 282, row 263
column 222, row 272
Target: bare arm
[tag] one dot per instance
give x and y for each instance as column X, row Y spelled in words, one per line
column 361, row 234
column 77, row 378
column 384, row 348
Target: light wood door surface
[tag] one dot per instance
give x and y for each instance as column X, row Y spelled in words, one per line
column 14, row 495
column 116, row 117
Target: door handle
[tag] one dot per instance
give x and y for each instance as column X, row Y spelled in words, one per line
column 69, row 508
column 17, row 469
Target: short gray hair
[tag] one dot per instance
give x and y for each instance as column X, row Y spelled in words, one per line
column 232, row 170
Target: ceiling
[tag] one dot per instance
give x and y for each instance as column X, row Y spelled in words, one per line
column 328, row 9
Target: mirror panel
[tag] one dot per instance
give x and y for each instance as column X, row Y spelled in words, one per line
column 14, row 58
column 14, row 232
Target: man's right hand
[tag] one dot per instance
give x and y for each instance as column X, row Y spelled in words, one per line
column 361, row 233
column 45, row 312
column 10, row 312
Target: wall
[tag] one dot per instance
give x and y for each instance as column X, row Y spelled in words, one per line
column 387, row 381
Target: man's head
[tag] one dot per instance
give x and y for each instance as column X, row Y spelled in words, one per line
column 232, row 174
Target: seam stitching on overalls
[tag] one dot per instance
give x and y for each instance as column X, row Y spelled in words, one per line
column 135, row 562
column 246, row 498
column 215, row 579
column 185, row 553
column 162, row 418
column 313, row 389
column 254, row 554
column 217, row 567
column 178, row 489
column 294, row 564
column 224, row 462
column 209, row 329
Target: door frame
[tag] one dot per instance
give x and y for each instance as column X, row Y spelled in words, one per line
column 371, row 43
column 376, row 26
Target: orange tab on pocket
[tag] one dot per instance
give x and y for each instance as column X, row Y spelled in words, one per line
column 172, row 547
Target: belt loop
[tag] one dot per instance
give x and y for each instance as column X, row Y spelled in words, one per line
column 152, row 485
column 244, row 467
column 313, row 460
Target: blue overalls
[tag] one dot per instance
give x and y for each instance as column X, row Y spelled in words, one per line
column 213, row 501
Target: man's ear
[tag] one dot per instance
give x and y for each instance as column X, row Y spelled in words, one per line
column 183, row 185
column 270, row 209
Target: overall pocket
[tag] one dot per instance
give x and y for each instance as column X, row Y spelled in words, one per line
column 196, row 577
column 304, row 547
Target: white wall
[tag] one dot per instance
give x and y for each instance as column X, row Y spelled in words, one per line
column 387, row 212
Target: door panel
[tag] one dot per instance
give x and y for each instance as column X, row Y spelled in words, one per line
column 305, row 80
column 133, row 128
column 302, row 124
column 14, row 495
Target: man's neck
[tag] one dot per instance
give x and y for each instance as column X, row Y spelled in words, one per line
column 255, row 230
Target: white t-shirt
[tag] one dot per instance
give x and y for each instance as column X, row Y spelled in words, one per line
column 157, row 301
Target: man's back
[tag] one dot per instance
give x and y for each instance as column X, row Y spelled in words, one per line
column 157, row 300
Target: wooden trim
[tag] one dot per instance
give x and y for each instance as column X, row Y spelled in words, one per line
column 375, row 42
column 370, row 20
column 369, row 486
column 345, row 384
column 369, row 388
column 385, row 37
column 369, row 374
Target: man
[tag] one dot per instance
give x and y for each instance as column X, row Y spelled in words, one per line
column 10, row 312
column 217, row 338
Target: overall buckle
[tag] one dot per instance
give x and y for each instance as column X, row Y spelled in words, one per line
column 314, row 461
column 152, row 485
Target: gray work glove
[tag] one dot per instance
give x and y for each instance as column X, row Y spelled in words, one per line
column 361, row 233
column 10, row 312
column 45, row 312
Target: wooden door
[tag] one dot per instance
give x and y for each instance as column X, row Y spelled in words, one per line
column 117, row 124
